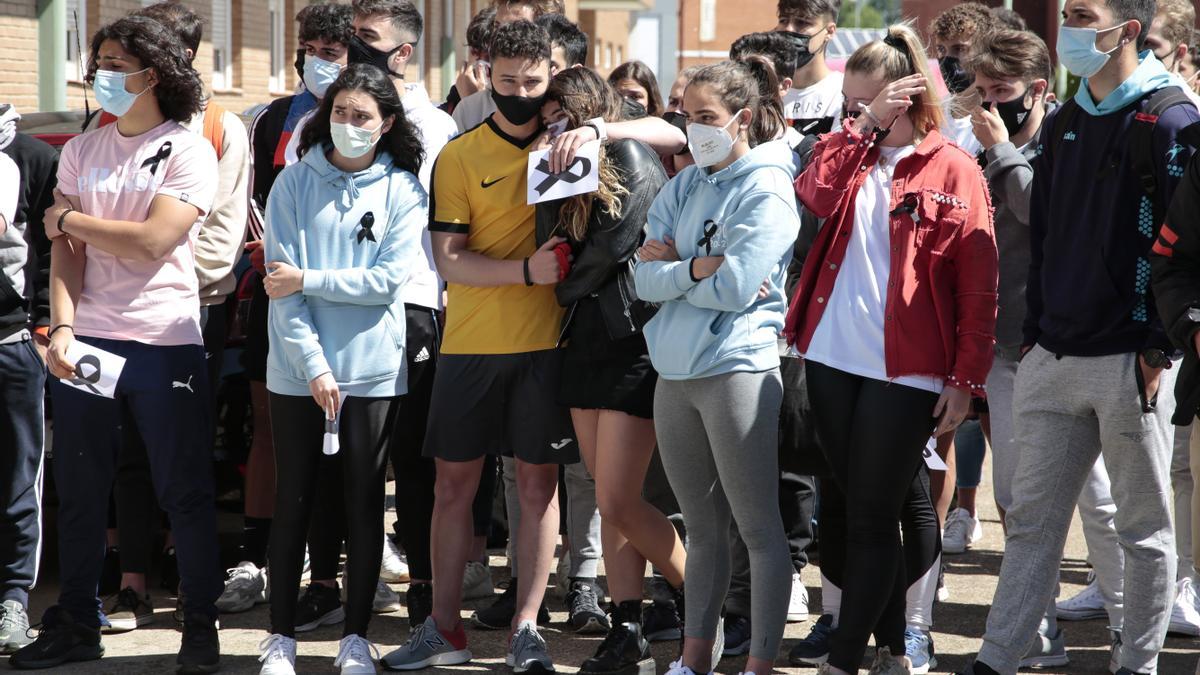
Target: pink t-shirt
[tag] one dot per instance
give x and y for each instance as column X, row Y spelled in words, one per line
column 116, row 178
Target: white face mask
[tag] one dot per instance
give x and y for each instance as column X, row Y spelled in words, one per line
column 556, row 128
column 710, row 145
column 1077, row 49
column 319, row 74
column 351, row 141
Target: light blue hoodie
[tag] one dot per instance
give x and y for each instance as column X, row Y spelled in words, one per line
column 1149, row 76
column 746, row 212
column 349, row 320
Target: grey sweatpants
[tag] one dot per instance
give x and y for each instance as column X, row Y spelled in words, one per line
column 1068, row 412
column 583, row 518
column 719, row 442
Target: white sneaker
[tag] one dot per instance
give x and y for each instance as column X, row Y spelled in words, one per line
column 477, row 581
column 356, row 656
column 962, row 530
column 245, row 588
column 1084, row 605
column 677, row 668
column 392, row 569
column 386, row 600
column 278, row 655
column 943, row 593
column 798, row 603
column 1185, row 617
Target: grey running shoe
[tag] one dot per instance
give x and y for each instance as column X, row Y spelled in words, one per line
column 1046, row 651
column 14, row 627
column 427, row 647
column 245, row 588
column 477, row 581
column 583, row 602
column 527, row 651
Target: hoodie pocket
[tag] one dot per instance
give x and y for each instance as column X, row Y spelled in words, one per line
column 360, row 342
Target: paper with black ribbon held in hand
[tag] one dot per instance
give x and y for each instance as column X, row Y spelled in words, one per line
column 582, row 176
column 330, row 444
column 96, row 371
column 933, row 460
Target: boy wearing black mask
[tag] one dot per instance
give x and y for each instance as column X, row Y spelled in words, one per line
column 813, row 104
column 952, row 34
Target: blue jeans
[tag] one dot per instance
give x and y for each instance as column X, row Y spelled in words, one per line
column 969, row 451
column 162, row 397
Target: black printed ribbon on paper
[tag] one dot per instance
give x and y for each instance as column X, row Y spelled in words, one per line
column 89, row 380
column 164, row 151
column 368, row 220
column 710, row 231
column 566, row 176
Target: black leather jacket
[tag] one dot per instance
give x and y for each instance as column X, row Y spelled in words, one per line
column 603, row 260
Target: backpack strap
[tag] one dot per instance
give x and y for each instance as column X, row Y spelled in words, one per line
column 214, row 127
column 106, row 118
column 1141, row 143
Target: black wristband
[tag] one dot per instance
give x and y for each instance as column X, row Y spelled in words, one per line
column 61, row 325
column 528, row 279
column 692, row 271
column 62, row 217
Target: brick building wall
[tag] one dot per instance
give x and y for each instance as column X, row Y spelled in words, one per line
column 19, row 35
column 708, row 27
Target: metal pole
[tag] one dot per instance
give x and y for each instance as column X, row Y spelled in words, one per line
column 1060, row 84
column 52, row 54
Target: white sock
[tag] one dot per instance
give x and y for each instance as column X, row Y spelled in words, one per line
column 831, row 599
column 918, row 599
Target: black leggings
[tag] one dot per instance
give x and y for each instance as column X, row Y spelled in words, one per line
column 872, row 433
column 300, row 467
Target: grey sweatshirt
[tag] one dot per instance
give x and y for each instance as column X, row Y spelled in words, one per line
column 1010, row 178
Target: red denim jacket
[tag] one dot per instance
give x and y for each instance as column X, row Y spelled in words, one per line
column 940, row 312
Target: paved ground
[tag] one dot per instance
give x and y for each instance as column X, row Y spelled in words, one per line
column 970, row 577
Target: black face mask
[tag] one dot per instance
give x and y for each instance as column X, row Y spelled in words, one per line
column 517, row 109
column 1014, row 114
column 676, row 119
column 955, row 74
column 803, row 55
column 880, row 133
column 361, row 52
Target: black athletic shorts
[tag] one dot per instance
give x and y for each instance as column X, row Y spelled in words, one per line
column 500, row 404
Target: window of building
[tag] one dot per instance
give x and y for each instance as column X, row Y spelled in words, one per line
column 222, row 15
column 620, row 54
column 608, row 62
column 708, row 20
column 76, row 38
column 277, row 81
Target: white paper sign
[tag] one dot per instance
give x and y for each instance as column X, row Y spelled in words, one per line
column 331, row 445
column 933, row 460
column 96, row 371
column 581, row 177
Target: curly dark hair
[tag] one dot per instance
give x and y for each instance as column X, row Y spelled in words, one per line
column 520, row 40
column 328, row 21
column 179, row 92
column 640, row 73
column 481, row 29
column 776, row 46
column 402, row 141
column 178, row 18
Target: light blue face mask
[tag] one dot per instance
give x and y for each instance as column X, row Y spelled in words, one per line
column 319, row 74
column 1077, row 49
column 109, row 87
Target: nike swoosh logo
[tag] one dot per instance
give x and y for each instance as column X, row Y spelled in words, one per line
column 484, row 184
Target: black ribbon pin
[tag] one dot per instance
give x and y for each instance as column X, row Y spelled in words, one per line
column 710, row 231
column 364, row 232
column 88, row 380
column 164, row 151
column 566, row 176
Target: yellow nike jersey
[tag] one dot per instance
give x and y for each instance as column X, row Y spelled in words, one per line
column 478, row 189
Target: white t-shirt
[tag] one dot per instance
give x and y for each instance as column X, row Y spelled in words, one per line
column 473, row 110
column 10, row 191
column 850, row 334
column 813, row 105
column 959, row 130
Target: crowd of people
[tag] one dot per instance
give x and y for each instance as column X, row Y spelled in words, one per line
column 792, row 286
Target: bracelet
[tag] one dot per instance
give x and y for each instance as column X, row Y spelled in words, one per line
column 692, row 271
column 61, row 325
column 866, row 109
column 525, row 266
column 62, row 217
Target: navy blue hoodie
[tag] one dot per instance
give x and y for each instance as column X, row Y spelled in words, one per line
column 1091, row 225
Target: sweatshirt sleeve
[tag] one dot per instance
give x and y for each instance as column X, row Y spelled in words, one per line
column 41, row 199
column 219, row 244
column 1168, row 175
column 976, row 269
column 1039, row 208
column 659, row 281
column 1011, row 178
column 830, row 172
column 290, row 320
column 382, row 281
column 1175, row 259
column 761, row 231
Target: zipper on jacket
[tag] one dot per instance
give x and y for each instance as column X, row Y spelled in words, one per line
column 562, row 334
column 625, row 305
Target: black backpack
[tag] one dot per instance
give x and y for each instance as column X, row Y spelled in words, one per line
column 1140, row 141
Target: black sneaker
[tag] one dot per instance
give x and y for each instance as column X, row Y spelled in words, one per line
column 737, row 635
column 110, row 573
column 500, row 615
column 320, row 605
column 977, row 668
column 419, row 603
column 168, row 571
column 200, row 651
column 814, row 649
column 662, row 619
column 623, row 651
column 583, row 605
column 60, row 640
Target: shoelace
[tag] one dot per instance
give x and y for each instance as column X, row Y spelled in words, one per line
column 583, row 597
column 956, row 528
column 357, row 648
column 239, row 576
column 273, row 649
column 526, row 638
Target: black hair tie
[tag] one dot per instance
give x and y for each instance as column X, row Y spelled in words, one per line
column 899, row 45
column 367, row 221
